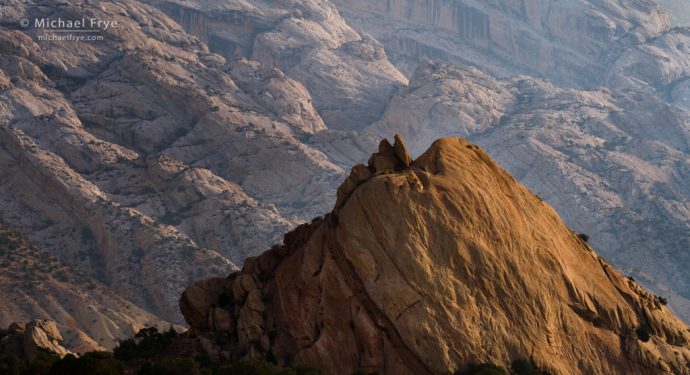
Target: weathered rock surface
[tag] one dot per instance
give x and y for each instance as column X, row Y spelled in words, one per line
column 346, row 72
column 141, row 161
column 36, row 285
column 661, row 66
column 571, row 42
column 288, row 99
column 678, row 11
column 612, row 161
column 424, row 269
column 28, row 340
column 146, row 160
column 614, row 164
column 149, row 161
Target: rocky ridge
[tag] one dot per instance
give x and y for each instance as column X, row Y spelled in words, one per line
column 36, row 285
column 425, row 266
column 612, row 163
column 572, row 43
column 346, row 72
column 620, row 145
column 141, row 158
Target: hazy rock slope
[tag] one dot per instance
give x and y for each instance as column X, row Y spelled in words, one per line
column 36, row 285
column 141, row 158
column 661, row 66
column 679, row 11
column 614, row 164
column 426, row 266
column 346, row 72
column 571, row 42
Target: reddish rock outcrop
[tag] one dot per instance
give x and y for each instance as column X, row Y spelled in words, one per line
column 424, row 269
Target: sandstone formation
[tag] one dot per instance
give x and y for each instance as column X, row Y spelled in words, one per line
column 36, row 285
column 612, row 163
column 26, row 341
column 346, row 72
column 422, row 269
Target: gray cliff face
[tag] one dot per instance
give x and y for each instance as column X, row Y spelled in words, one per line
column 570, row 42
column 679, row 11
column 346, row 72
column 660, row 67
column 148, row 161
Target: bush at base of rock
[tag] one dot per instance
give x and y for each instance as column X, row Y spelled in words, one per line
column 11, row 365
column 524, row 366
column 482, row 369
column 262, row 367
column 364, row 372
column 101, row 363
column 173, row 366
column 147, row 343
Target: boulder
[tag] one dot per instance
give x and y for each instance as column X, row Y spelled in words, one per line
column 199, row 300
column 26, row 341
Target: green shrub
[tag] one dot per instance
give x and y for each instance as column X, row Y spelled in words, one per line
column 306, row 370
column 174, row 366
column 643, row 333
column 584, row 237
column 93, row 363
column 482, row 369
column 147, row 343
column 249, row 367
column 523, row 366
column 11, row 365
column 363, row 372
column 42, row 363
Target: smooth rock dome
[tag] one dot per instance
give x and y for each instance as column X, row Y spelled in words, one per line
column 426, row 267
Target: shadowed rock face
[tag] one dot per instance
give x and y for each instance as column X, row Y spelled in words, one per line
column 424, row 268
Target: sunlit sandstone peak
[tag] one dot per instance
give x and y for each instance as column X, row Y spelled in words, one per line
column 427, row 266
